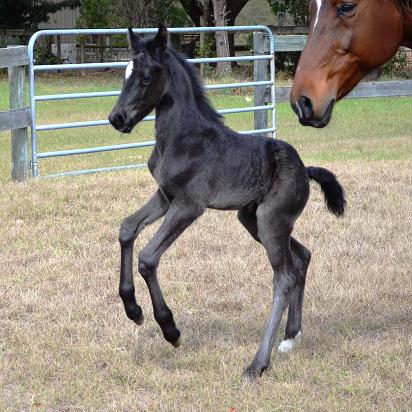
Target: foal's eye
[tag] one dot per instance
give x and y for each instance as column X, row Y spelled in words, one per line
column 147, row 80
column 345, row 8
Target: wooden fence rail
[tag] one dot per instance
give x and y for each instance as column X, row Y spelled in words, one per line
column 15, row 59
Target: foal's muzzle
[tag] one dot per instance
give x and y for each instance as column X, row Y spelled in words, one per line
column 304, row 109
column 119, row 122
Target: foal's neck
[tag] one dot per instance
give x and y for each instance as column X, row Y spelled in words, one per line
column 177, row 111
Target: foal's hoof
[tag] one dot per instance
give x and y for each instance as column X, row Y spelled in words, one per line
column 177, row 343
column 136, row 315
column 253, row 372
column 139, row 321
column 172, row 335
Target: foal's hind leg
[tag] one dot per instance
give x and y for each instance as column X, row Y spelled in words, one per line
column 301, row 259
column 154, row 209
column 293, row 332
column 179, row 216
column 274, row 226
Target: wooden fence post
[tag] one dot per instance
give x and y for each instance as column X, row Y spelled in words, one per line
column 19, row 137
column 59, row 46
column 82, row 54
column 259, row 74
column 101, row 47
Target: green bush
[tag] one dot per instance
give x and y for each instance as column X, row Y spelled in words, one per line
column 44, row 56
column 397, row 66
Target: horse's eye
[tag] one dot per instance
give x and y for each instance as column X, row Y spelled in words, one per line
column 147, row 80
column 345, row 8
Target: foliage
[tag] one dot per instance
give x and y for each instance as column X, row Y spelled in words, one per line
column 16, row 14
column 208, row 49
column 133, row 13
column 397, row 66
column 287, row 62
column 94, row 14
column 146, row 13
column 298, row 9
column 43, row 55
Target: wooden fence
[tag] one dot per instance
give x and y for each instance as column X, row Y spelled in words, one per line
column 17, row 119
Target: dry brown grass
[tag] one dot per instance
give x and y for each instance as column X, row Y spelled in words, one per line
column 66, row 345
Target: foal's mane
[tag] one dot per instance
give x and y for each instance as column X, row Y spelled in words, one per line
column 202, row 101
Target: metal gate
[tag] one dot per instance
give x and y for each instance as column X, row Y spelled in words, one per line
column 34, row 68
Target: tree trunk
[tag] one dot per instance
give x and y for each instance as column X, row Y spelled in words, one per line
column 234, row 8
column 231, row 22
column 222, row 40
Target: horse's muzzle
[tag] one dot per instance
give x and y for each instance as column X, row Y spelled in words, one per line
column 304, row 109
column 119, row 123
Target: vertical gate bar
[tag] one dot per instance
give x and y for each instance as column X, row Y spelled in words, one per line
column 19, row 137
column 273, row 80
column 259, row 74
column 32, row 108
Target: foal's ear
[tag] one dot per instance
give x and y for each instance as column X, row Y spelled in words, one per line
column 159, row 42
column 133, row 40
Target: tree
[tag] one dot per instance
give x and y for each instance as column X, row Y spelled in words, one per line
column 146, row 13
column 130, row 13
column 298, row 9
column 94, row 14
column 15, row 14
column 222, row 39
column 195, row 10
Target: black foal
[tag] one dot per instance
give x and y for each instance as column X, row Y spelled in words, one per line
column 199, row 163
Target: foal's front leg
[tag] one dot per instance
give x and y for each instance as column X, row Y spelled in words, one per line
column 179, row 217
column 154, row 209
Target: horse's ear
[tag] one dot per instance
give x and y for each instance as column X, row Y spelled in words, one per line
column 159, row 42
column 133, row 40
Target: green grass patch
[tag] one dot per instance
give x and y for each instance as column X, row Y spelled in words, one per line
column 367, row 129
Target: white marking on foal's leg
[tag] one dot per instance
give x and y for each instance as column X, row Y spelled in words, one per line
column 319, row 5
column 129, row 70
column 287, row 345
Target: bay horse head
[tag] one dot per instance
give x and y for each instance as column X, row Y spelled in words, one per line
column 144, row 83
column 347, row 39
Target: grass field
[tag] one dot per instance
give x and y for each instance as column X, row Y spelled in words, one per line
column 358, row 130
column 66, row 345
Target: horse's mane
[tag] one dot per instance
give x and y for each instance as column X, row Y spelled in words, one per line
column 202, row 101
column 405, row 4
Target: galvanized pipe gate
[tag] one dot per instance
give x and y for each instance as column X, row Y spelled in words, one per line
column 259, row 85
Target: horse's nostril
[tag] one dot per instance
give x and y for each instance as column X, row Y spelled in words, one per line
column 306, row 107
column 116, row 120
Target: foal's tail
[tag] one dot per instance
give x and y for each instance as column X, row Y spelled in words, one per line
column 331, row 188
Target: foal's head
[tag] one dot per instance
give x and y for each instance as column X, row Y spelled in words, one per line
column 347, row 39
column 144, row 83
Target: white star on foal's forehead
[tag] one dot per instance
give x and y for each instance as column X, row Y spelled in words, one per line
column 129, row 70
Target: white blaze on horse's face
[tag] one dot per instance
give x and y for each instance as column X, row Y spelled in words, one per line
column 318, row 5
column 129, row 70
